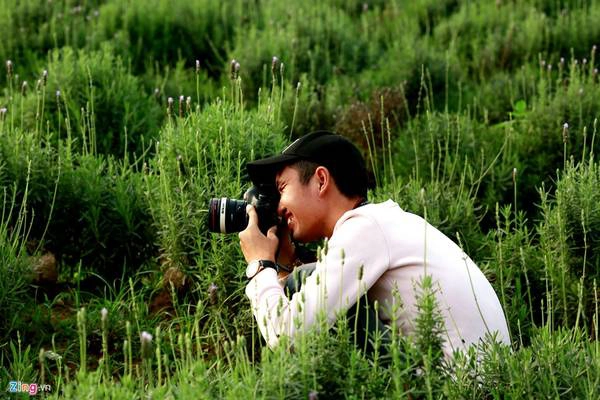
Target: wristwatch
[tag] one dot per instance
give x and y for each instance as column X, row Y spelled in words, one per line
column 258, row 265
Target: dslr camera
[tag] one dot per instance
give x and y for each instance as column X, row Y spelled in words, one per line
column 229, row 215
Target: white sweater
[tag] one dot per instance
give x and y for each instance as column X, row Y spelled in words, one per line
column 392, row 250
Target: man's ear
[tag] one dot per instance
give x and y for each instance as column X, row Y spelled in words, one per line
column 323, row 178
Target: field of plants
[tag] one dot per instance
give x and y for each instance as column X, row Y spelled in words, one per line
column 119, row 120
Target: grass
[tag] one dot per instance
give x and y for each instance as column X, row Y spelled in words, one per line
column 480, row 116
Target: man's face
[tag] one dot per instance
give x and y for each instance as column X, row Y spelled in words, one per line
column 299, row 205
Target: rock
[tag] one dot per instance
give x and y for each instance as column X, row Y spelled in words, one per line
column 44, row 269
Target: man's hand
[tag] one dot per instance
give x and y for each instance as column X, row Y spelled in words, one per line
column 254, row 244
column 286, row 254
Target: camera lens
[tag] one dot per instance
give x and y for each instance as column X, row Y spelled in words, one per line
column 227, row 215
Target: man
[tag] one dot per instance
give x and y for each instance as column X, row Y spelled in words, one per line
column 372, row 249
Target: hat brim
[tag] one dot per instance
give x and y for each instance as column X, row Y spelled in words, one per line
column 263, row 171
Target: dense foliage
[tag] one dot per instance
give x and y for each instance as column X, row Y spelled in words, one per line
column 119, row 120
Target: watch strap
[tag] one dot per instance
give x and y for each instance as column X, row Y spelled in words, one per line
column 262, row 264
column 267, row 264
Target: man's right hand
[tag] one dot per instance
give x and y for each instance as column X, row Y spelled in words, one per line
column 253, row 243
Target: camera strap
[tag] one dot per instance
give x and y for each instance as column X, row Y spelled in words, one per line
column 362, row 203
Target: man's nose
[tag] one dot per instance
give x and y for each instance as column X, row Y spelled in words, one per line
column 281, row 209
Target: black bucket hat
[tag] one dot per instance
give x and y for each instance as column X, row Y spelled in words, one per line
column 338, row 154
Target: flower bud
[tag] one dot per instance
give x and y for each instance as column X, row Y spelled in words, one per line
column 213, row 294
column 146, row 341
column 565, row 132
column 169, row 106
column 232, row 70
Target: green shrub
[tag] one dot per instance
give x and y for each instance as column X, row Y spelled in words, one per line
column 86, row 208
column 486, row 37
column 556, row 364
column 199, row 157
column 183, row 79
column 31, row 29
column 558, row 124
column 15, row 268
column 569, row 237
column 92, row 100
column 504, row 35
column 163, row 32
column 515, row 269
column 458, row 151
column 315, row 39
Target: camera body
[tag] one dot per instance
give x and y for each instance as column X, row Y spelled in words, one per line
column 229, row 215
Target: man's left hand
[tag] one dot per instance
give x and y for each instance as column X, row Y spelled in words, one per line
column 254, row 244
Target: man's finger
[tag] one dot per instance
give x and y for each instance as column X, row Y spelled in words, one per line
column 272, row 232
column 252, row 216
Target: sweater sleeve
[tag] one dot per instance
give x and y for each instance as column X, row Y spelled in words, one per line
column 354, row 259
